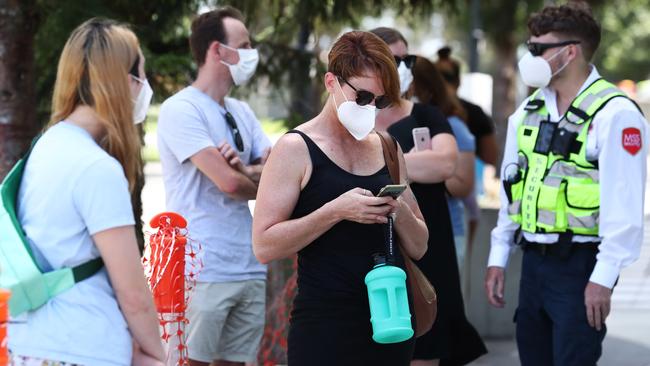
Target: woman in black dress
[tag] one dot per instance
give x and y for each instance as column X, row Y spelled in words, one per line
column 317, row 197
column 452, row 340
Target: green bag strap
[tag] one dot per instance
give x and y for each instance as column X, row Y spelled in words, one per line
column 31, row 146
column 84, row 270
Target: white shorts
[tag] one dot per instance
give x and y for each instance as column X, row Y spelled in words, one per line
column 226, row 320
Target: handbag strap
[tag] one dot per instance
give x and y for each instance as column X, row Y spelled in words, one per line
column 389, row 148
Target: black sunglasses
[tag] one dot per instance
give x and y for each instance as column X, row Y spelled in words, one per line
column 409, row 60
column 538, row 49
column 365, row 97
column 230, row 120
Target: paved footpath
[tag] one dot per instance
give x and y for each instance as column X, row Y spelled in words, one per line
column 628, row 335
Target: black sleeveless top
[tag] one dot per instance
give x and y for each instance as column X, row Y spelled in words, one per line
column 330, row 320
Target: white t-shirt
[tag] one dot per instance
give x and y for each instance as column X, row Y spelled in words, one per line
column 72, row 189
column 189, row 122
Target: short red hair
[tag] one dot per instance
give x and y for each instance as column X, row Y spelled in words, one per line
column 356, row 53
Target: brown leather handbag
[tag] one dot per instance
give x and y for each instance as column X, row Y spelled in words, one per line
column 425, row 301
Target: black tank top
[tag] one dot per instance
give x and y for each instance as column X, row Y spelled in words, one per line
column 331, row 270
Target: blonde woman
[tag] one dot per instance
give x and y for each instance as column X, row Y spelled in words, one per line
column 74, row 205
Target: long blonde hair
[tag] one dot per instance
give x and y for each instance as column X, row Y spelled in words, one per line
column 93, row 71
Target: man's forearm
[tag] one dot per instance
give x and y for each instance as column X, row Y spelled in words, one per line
column 245, row 189
column 254, row 172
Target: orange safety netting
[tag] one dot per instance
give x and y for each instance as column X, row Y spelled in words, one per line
column 281, row 290
column 171, row 266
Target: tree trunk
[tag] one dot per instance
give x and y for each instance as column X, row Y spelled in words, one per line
column 504, row 90
column 305, row 94
column 18, row 124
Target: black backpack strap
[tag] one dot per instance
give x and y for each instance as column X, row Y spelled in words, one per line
column 86, row 270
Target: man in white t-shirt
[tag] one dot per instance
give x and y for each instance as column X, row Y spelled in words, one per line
column 212, row 150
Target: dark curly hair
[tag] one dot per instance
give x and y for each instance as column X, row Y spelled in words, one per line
column 573, row 20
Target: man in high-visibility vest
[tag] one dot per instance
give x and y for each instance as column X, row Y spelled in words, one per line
column 573, row 172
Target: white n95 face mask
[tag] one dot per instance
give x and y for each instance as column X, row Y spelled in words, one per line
column 243, row 70
column 358, row 120
column 142, row 102
column 405, row 77
column 536, row 72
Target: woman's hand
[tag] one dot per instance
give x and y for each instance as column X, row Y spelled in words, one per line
column 398, row 206
column 359, row 205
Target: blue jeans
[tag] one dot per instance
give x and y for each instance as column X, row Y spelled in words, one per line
column 552, row 327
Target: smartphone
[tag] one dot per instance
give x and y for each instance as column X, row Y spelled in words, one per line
column 393, row 190
column 421, row 138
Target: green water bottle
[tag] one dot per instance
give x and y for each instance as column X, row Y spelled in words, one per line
column 389, row 307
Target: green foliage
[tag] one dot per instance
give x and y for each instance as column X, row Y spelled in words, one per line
column 623, row 52
column 161, row 26
column 292, row 36
column 289, row 33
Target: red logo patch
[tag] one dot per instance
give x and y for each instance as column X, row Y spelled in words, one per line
column 632, row 140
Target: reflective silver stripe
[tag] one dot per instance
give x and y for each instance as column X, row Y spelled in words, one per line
column 546, row 217
column 584, row 222
column 554, row 182
column 607, row 92
column 514, row 208
column 564, row 169
column 572, row 127
column 593, row 98
column 588, row 101
column 533, row 119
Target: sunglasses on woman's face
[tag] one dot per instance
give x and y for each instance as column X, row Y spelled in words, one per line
column 538, row 48
column 409, row 60
column 365, row 97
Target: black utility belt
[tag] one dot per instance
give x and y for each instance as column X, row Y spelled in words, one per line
column 558, row 250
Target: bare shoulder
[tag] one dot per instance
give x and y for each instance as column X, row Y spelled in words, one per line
column 289, row 159
column 292, row 148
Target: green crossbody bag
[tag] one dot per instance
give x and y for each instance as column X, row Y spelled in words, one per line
column 30, row 287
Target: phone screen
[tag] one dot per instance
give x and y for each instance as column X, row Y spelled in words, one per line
column 393, row 190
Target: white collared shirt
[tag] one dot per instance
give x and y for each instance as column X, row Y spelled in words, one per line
column 622, row 186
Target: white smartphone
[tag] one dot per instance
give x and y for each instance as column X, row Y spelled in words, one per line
column 393, row 190
column 421, row 138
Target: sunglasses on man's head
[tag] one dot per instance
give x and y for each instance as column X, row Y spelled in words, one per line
column 365, row 97
column 409, row 60
column 538, row 48
column 230, row 120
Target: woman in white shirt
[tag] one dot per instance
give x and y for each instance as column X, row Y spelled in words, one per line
column 74, row 205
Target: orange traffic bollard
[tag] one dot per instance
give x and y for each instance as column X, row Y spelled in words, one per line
column 4, row 319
